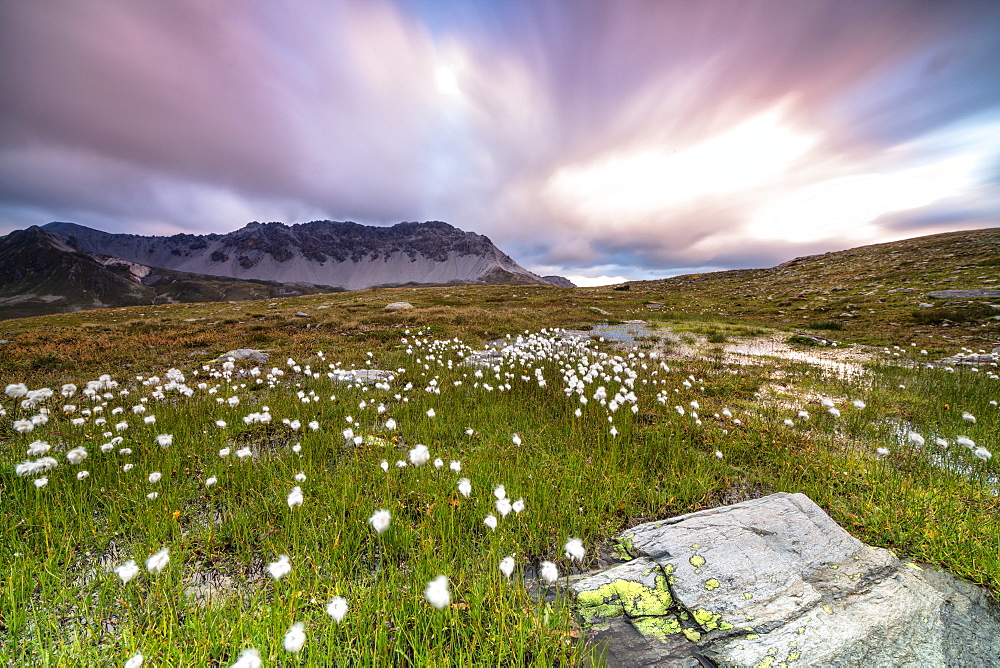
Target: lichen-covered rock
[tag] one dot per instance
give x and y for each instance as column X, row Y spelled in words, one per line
column 251, row 354
column 362, row 376
column 774, row 581
column 398, row 306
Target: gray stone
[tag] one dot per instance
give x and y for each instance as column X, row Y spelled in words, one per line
column 774, row 581
column 599, row 310
column 362, row 376
column 398, row 306
column 243, row 354
column 964, row 294
column 300, row 314
column 925, row 305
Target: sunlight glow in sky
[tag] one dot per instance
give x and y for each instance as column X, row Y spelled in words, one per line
column 601, row 139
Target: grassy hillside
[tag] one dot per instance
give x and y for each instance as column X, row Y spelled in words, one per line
column 682, row 424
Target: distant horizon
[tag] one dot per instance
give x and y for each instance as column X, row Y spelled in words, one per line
column 578, row 280
column 603, row 139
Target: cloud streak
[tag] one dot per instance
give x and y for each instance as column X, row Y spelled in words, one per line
column 601, row 138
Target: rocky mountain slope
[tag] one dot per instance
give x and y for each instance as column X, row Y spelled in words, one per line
column 65, row 267
column 344, row 255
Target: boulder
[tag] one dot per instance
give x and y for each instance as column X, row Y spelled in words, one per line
column 774, row 581
column 362, row 376
column 398, row 306
column 243, row 354
column 964, row 294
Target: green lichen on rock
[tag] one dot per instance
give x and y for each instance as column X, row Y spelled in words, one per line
column 697, row 560
column 625, row 597
column 659, row 628
column 623, row 548
column 711, row 584
column 709, row 620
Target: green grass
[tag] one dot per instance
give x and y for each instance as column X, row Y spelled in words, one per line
column 60, row 604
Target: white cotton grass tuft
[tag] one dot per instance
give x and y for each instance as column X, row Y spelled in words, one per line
column 165, row 440
column 966, row 441
column 250, row 658
column 337, row 608
column 455, row 466
column 127, row 571
column 76, row 455
column 224, row 452
column 295, row 639
column 300, row 477
column 574, row 549
column 437, row 593
column 491, row 521
column 38, row 448
column 517, row 506
column 152, row 496
column 860, row 405
column 385, row 466
column 915, row 438
column 390, row 424
column 244, row 453
column 503, row 506
column 882, row 452
column 419, row 455
column 834, row 412
column 438, row 463
column 500, row 491
column 156, row 563
column 154, row 477
column 549, row 572
column 969, row 417
column 82, row 474
column 211, row 481
column 827, row 403
column 941, row 442
column 280, row 568
column 295, row 497
column 979, row 452
column 135, row 661
column 789, row 422
column 380, row 520
column 465, row 487
column 431, row 413
column 507, row 566
column 41, row 482
column 516, row 440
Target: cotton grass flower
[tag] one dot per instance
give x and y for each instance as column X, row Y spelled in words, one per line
column 915, row 438
column 243, row 453
column 38, row 448
column 82, row 474
column 503, row 506
column 390, row 424
column 156, row 563
column 419, row 455
column 295, row 639
column 860, row 405
column 516, row 439
column 574, row 549
column 152, row 496
column 438, row 463
column 500, row 491
column 135, row 661
column 431, row 413
column 300, row 477
column 41, row 482
column 789, row 423
column 464, row 487
column 969, row 417
column 507, row 566
column 455, row 466
column 250, row 658
column 280, row 568
column 491, row 522
column 966, row 441
column 517, row 506
column 882, row 452
column 834, row 412
column 224, row 452
column 127, row 571
column 16, row 390
column 437, row 593
column 23, row 426
column 380, row 521
column 982, row 453
column 211, row 481
column 337, row 608
column 385, row 465
column 549, row 572
column 155, row 476
column 165, row 440
column 295, row 497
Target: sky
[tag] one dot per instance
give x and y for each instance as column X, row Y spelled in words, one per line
column 597, row 140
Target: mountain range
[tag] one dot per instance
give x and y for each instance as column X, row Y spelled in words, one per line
column 62, row 267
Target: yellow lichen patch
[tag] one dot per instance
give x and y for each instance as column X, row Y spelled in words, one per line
column 828, row 609
column 697, row 560
column 709, row 620
column 625, row 597
column 711, row 584
column 692, row 635
column 747, row 595
column 657, row 627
